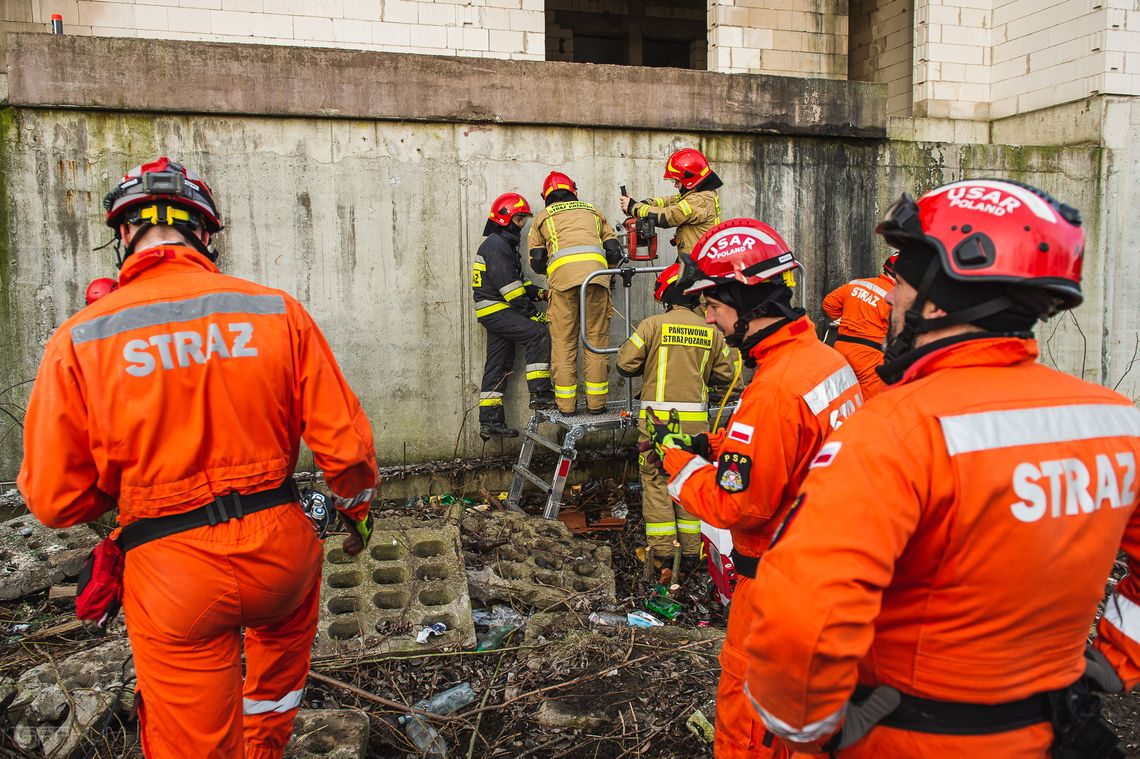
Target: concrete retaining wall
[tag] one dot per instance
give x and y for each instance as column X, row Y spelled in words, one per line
column 373, row 223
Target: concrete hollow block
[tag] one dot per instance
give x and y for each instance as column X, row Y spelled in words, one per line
column 411, row 576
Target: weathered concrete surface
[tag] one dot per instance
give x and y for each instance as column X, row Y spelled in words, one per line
column 58, row 705
column 373, row 222
column 34, row 557
column 411, row 576
column 328, row 734
column 535, row 562
column 297, row 81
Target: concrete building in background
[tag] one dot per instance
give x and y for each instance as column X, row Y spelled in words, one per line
column 392, row 122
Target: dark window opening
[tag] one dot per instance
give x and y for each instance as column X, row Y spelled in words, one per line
column 639, row 33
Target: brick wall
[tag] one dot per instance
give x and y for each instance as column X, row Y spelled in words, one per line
column 784, row 37
column 952, row 53
column 476, row 28
column 882, row 48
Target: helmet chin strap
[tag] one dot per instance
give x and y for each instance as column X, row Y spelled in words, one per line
column 745, row 342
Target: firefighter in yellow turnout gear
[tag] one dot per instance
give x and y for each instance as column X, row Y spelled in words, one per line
column 679, row 356
column 568, row 241
column 694, row 210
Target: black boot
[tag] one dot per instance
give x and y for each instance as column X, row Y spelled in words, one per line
column 488, row 430
column 691, row 565
column 542, row 400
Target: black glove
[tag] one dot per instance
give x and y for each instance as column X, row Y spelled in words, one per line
column 538, row 260
column 359, row 533
column 613, row 253
column 864, row 715
column 1100, row 674
column 668, row 435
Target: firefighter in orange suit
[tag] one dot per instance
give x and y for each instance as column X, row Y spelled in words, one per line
column 746, row 478
column 569, row 240
column 861, row 308
column 932, row 596
column 181, row 398
column 694, row 210
column 678, row 356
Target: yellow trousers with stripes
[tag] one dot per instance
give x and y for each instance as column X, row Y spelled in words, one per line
column 665, row 520
column 564, row 328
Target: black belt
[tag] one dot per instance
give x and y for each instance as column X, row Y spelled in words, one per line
column 924, row 715
column 744, row 565
column 860, row 341
column 222, row 509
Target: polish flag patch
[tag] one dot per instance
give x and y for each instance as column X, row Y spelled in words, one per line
column 741, row 432
column 826, row 455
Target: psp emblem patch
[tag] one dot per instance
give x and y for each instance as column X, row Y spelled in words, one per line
column 733, row 470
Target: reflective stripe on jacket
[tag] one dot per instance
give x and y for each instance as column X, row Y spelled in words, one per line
column 953, row 541
column 678, row 356
column 497, row 280
column 182, row 385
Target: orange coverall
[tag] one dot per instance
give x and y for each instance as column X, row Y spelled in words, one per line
column 862, row 308
column 182, row 385
column 801, row 390
column 952, row 541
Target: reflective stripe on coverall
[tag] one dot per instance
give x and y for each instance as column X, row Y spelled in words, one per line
column 952, row 541
column 802, row 389
column 862, row 308
column 572, row 233
column 692, row 213
column 678, row 356
column 183, row 385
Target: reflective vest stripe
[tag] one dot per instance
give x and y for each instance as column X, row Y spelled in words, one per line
column 169, row 312
column 988, row 430
column 662, row 407
column 597, row 388
column 538, row 374
column 662, row 364
column 565, row 391
column 821, row 396
column 1123, row 614
column 677, row 483
column 597, row 257
column 485, row 310
column 636, row 340
column 689, row 526
column 684, row 416
column 661, row 528
column 290, row 701
column 491, row 399
column 870, row 286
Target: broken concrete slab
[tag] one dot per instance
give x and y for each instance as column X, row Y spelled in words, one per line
column 329, row 734
column 34, row 557
column 411, row 576
column 533, row 561
column 58, row 707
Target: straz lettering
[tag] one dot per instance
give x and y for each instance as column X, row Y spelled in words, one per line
column 694, row 337
column 865, row 296
column 730, row 245
column 839, row 415
column 183, row 347
column 1066, row 487
column 985, row 199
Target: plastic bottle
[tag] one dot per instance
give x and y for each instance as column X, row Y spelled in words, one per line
column 609, row 619
column 495, row 638
column 426, row 738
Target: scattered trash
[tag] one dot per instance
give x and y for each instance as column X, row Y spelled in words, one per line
column 439, row 628
column 620, row 510
column 24, row 532
column 661, row 603
column 608, row 619
column 700, row 726
column 495, row 638
column 425, row 737
column 643, row 619
column 496, row 616
column 703, row 623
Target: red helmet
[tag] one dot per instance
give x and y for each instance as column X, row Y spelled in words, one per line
column 159, row 185
column 739, row 250
column 995, row 230
column 665, row 279
column 556, row 180
column 889, row 264
column 506, row 206
column 688, row 166
column 100, row 287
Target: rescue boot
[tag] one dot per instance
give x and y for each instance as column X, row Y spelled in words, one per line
column 691, row 565
column 488, row 430
column 543, row 400
column 596, row 411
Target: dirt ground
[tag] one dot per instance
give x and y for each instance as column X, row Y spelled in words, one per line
column 561, row 688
